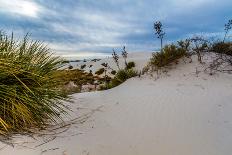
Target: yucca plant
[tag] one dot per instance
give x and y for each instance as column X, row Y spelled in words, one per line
column 29, row 97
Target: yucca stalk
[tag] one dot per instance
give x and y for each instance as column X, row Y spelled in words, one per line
column 29, row 97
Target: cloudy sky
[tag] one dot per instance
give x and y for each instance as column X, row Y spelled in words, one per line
column 77, row 27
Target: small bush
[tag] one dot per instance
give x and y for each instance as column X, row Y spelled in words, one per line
column 70, row 67
column 113, row 72
column 168, row 55
column 122, row 75
column 222, row 48
column 131, row 73
column 130, row 65
column 100, row 71
column 83, row 66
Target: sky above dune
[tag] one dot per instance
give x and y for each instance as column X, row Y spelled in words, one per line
column 72, row 27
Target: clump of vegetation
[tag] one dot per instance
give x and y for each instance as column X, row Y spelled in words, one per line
column 115, row 57
column 78, row 77
column 113, row 72
column 158, row 26
column 100, row 71
column 121, row 76
column 83, row 66
column 227, row 28
column 199, row 46
column 130, row 65
column 222, row 48
column 124, row 55
column 70, row 67
column 29, row 97
column 168, row 55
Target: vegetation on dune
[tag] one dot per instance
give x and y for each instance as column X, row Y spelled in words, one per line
column 100, row 71
column 158, row 27
column 122, row 74
column 115, row 58
column 28, row 94
column 32, row 83
column 130, row 65
column 124, row 55
column 198, row 46
column 78, row 77
column 168, row 55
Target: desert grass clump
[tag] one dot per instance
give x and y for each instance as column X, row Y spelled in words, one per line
column 123, row 74
column 222, row 48
column 83, row 66
column 168, row 55
column 130, row 65
column 28, row 95
column 100, row 71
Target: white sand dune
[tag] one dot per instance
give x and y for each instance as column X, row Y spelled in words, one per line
column 179, row 113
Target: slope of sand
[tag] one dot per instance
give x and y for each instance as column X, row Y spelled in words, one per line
column 181, row 112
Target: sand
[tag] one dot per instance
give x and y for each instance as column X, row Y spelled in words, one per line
column 181, row 112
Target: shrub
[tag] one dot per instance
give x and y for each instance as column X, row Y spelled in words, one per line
column 113, row 72
column 130, row 65
column 83, row 66
column 115, row 58
column 100, row 71
column 28, row 93
column 122, row 75
column 169, row 54
column 70, row 67
column 131, row 73
column 158, row 27
column 104, row 64
column 124, row 55
column 222, row 48
column 199, row 46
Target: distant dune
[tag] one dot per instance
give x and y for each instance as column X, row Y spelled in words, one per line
column 183, row 111
column 140, row 59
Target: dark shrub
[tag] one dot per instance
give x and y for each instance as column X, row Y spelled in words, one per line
column 100, row 71
column 223, row 48
column 70, row 67
column 113, row 72
column 130, row 65
column 83, row 66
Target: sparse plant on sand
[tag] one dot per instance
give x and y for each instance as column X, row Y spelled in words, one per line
column 28, row 94
column 159, row 32
column 199, row 46
column 130, row 65
column 116, row 57
column 83, row 66
column 169, row 54
column 100, row 71
column 124, row 55
column 227, row 28
column 113, row 72
column 70, row 67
